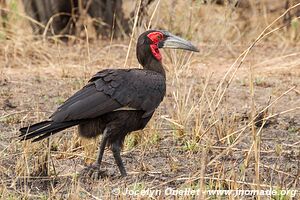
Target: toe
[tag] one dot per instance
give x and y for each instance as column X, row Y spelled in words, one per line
column 93, row 172
column 95, row 175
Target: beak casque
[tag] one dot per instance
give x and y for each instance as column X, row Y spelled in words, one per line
column 175, row 42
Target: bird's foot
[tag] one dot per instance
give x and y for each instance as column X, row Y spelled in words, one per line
column 123, row 173
column 93, row 171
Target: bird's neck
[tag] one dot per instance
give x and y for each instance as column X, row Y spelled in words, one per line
column 148, row 60
column 155, row 65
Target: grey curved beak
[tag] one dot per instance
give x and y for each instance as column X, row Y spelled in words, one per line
column 175, row 42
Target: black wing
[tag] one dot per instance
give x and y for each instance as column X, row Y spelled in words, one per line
column 113, row 89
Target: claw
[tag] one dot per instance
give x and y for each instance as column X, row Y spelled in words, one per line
column 93, row 171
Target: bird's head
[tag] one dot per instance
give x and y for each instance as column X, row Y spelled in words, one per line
column 151, row 41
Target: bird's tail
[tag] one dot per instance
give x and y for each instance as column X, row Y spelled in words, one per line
column 44, row 129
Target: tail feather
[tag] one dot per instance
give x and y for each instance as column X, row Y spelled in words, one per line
column 32, row 128
column 44, row 129
column 47, row 135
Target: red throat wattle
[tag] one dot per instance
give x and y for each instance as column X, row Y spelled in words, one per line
column 155, row 37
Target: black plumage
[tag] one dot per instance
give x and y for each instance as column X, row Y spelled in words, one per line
column 115, row 102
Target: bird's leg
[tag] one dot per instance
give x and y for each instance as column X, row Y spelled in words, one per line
column 116, row 149
column 94, row 171
column 101, row 148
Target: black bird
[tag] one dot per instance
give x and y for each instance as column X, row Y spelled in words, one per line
column 115, row 102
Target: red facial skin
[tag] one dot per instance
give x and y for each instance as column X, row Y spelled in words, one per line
column 155, row 37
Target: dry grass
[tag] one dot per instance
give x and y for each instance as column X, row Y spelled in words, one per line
column 230, row 120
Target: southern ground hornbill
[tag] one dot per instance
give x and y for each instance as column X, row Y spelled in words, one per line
column 115, row 102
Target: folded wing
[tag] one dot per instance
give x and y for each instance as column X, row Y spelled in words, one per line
column 111, row 90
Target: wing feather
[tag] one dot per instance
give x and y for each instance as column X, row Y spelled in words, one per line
column 111, row 90
column 85, row 104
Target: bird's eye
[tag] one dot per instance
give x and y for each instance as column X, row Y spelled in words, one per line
column 159, row 37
